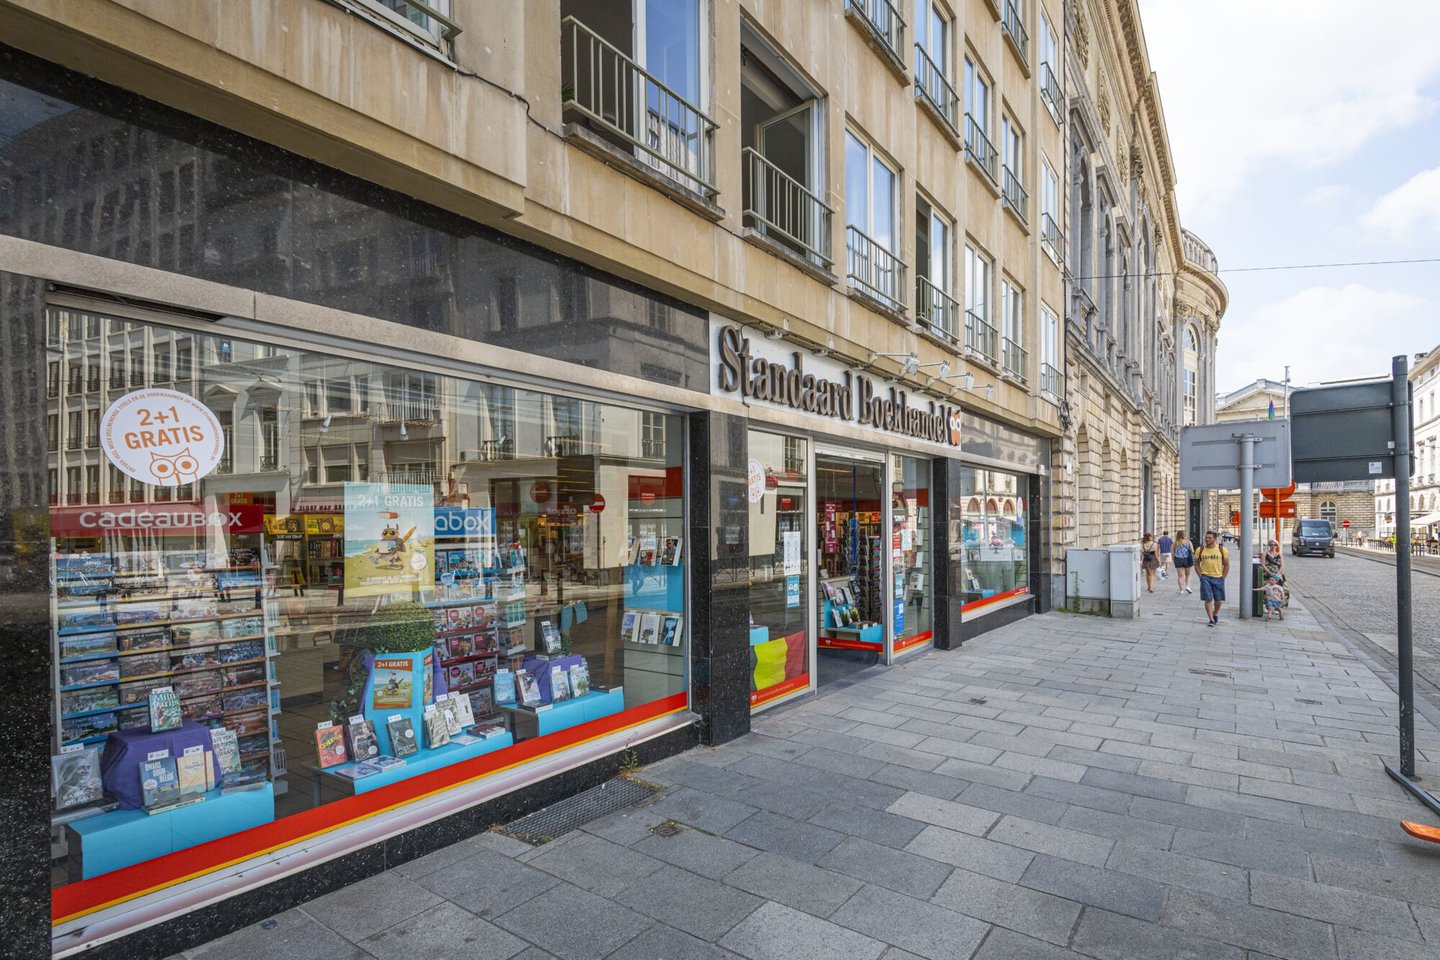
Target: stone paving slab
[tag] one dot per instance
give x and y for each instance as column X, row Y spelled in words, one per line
column 1064, row 786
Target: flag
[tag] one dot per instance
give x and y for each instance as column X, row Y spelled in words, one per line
column 1272, row 409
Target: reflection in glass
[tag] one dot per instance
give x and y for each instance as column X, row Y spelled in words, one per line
column 992, row 535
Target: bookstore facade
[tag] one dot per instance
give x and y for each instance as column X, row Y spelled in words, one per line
column 342, row 535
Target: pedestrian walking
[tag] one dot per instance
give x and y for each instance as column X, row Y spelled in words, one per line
column 1212, row 563
column 1149, row 560
column 1184, row 552
column 1166, row 545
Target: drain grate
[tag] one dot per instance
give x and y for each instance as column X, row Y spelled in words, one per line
column 569, row 814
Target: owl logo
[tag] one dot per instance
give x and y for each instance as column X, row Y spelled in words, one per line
column 955, row 419
column 174, row 469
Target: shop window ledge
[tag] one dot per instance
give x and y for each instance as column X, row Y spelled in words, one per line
column 804, row 264
column 611, row 155
column 879, row 306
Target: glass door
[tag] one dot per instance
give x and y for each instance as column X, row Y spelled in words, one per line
column 852, row 566
column 780, row 635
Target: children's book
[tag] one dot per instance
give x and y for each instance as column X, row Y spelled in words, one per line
column 445, row 706
column 550, row 637
column 330, row 746
column 649, row 628
column 504, row 686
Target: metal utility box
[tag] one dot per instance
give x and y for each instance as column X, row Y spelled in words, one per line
column 1124, row 580
column 1087, row 580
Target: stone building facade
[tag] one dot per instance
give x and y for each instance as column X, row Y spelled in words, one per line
column 1143, row 303
column 1425, row 481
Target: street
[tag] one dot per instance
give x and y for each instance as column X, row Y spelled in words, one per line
column 1358, row 593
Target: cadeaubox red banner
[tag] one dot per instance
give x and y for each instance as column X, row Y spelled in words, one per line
column 155, row 518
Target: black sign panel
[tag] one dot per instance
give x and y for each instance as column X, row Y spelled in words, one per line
column 1343, row 433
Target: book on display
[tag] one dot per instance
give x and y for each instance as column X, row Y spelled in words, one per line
column 164, row 710
column 330, row 746
column 402, row 736
column 361, row 736
column 75, row 776
column 159, row 782
column 437, row 733
column 190, row 771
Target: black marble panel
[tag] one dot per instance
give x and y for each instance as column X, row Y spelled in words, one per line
column 24, row 622
column 947, row 622
column 952, row 510
column 208, row 923
column 1038, row 538
column 720, row 567
column 89, row 167
column 998, row 618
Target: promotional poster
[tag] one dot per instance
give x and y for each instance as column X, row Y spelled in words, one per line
column 389, row 538
column 392, row 686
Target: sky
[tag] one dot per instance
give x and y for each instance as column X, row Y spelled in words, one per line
column 1308, row 132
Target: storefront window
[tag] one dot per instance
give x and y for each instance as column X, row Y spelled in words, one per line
column 340, row 596
column 779, row 567
column 992, row 535
column 850, row 523
column 910, row 552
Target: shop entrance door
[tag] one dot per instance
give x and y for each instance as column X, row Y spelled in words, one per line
column 851, row 570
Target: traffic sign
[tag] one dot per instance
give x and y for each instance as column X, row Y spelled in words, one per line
column 1211, row 457
column 1284, row 510
column 598, row 504
column 1278, row 493
column 1345, row 524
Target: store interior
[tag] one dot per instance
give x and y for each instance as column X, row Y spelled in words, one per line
column 850, row 577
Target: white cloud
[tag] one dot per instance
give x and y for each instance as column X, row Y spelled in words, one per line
column 1295, row 82
column 1325, row 333
column 1327, row 195
column 1411, row 211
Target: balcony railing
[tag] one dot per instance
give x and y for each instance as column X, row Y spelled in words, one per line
column 419, row 475
column 72, row 443
column 979, row 148
column 1050, row 381
column 884, row 21
column 72, row 498
column 117, row 496
column 269, row 464
column 1050, row 91
column 92, row 441
column 782, row 208
column 873, row 269
column 1014, row 194
column 932, row 85
column 628, row 104
column 137, row 379
column 936, row 310
column 1051, row 236
column 1016, row 360
column 979, row 336
column 1014, row 28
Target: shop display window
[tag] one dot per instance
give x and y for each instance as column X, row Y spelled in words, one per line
column 911, row 559
column 995, row 564
column 779, row 566
column 316, row 578
column 851, row 529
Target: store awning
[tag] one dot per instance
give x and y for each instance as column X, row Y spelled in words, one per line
column 1426, row 520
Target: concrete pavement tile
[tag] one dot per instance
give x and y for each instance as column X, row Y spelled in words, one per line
column 668, row 943
column 903, row 756
column 1107, row 889
column 1248, row 768
column 1134, row 784
column 574, row 923
column 1027, row 805
column 918, row 781
column 1042, row 765
column 488, row 884
column 357, row 911
column 1004, row 944
column 1176, row 869
column 443, row 931
column 699, row 906
column 1429, row 920
column 1188, row 816
column 1336, row 905
column 1348, row 822
column 1031, row 912
column 793, row 799
column 1056, row 841
column 1252, row 853
column 959, row 749
column 1254, row 928
column 799, row 885
column 1360, row 945
column 1091, row 758
column 1280, row 811
column 997, row 860
column 1109, row 936
column 705, row 854
column 887, row 735
column 625, row 827
column 791, row 838
column 703, row 810
column 594, row 863
column 944, row 813
column 1342, row 846
column 459, row 851
column 913, row 925
column 776, row 932
column 874, row 825
column 984, row 773
column 293, row 934
column 1118, row 827
column 848, row 764
column 1079, row 794
column 1193, row 775
column 907, row 873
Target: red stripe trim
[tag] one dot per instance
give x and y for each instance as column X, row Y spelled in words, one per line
column 87, row 896
column 976, row 604
column 757, row 697
column 906, row 643
column 840, row 643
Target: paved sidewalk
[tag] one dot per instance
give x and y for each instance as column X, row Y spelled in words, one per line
column 1066, row 786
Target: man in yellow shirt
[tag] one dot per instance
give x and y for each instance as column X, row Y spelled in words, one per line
column 1212, row 564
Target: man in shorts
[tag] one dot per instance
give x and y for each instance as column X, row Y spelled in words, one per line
column 1166, row 544
column 1212, row 564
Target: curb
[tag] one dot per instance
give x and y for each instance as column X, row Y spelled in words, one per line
column 1386, row 558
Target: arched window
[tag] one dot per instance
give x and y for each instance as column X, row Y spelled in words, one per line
column 1328, row 511
column 1190, row 362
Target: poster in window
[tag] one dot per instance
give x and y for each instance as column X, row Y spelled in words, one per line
column 792, row 552
column 392, row 684
column 389, row 538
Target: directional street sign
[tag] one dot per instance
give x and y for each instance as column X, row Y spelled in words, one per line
column 1210, row 455
column 1344, row 432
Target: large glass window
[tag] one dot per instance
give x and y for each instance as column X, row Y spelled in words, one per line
column 779, row 567
column 911, row 560
column 303, row 603
column 995, row 563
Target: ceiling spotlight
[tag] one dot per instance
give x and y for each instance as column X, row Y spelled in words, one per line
column 774, row 333
column 325, row 424
column 989, row 391
column 944, row 366
column 403, row 431
column 910, row 365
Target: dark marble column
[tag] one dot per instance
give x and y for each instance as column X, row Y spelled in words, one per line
column 947, row 627
column 25, row 721
column 719, row 576
column 1039, row 539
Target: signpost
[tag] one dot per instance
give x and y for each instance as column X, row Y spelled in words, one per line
column 1224, row 456
column 1363, row 431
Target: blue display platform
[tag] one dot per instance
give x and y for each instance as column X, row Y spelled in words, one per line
column 553, row 717
column 759, row 635
column 422, row 762
column 123, row 838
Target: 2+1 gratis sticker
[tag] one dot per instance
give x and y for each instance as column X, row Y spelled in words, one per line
column 162, row 437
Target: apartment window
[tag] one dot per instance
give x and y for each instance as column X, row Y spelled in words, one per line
column 92, row 427
column 935, row 305
column 1190, row 360
column 162, row 364
column 338, row 397
column 932, row 61
column 338, row 466
column 1013, row 27
column 92, row 377
column 1328, row 511
column 92, row 484
column 1051, row 239
column 137, row 367
column 1049, row 53
column 652, row 435
column 978, row 146
column 52, row 379
column 269, row 439
column 1016, row 358
column 183, row 361
column 1013, row 145
column 52, row 432
column 980, row 334
column 117, row 369
column 1049, row 353
column 870, row 215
